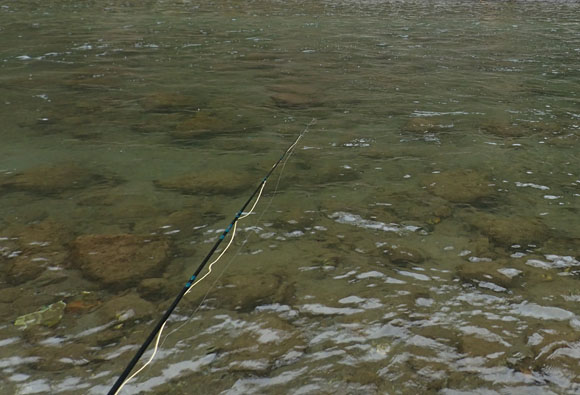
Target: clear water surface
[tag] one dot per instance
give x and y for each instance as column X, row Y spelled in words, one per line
column 423, row 237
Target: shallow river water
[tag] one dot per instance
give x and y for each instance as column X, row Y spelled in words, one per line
column 422, row 238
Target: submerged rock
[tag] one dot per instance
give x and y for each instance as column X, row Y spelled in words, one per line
column 504, row 129
column 511, row 230
column 54, row 179
column 202, row 125
column 423, row 208
column 24, row 268
column 208, row 182
column 400, row 255
column 246, row 291
column 461, row 186
column 293, row 100
column 48, row 316
column 54, row 359
column 120, row 260
column 422, row 125
column 112, row 321
column 168, row 102
column 125, row 308
column 183, row 222
column 156, row 288
column 320, row 175
column 46, row 235
column 569, row 140
column 294, row 218
column 32, row 249
column 477, row 272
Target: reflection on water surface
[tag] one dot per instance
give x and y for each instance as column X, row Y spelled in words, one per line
column 423, row 237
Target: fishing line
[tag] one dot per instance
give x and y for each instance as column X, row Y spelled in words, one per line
column 243, row 243
column 156, row 347
column 231, row 239
column 157, row 330
column 209, row 270
column 232, row 259
column 241, row 246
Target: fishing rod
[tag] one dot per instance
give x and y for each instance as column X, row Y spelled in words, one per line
column 161, row 324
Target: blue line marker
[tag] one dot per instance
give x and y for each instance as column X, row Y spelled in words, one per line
column 191, row 280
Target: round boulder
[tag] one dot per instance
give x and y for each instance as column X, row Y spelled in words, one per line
column 461, row 186
column 120, row 260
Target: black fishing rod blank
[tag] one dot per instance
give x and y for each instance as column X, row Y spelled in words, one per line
column 120, row 381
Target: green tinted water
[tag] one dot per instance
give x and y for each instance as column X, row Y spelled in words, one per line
column 423, row 237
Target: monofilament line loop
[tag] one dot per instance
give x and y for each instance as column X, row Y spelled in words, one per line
column 120, row 382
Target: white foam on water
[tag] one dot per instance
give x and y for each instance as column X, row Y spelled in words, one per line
column 307, row 389
column 276, row 307
column 479, row 299
column 270, row 335
column 10, row 340
column 170, row 372
column 476, row 259
column 18, row 377
column 351, row 299
column 70, row 384
column 531, row 185
column 509, row 272
column 255, row 364
column 573, row 351
column 352, row 219
column 391, row 280
column 120, row 351
column 424, row 302
column 534, row 310
column 345, row 275
column 317, row 356
column 492, row 286
column 554, row 262
column 295, row 233
column 371, row 274
column 39, row 386
column 483, row 333
column 258, row 385
column 416, row 276
column 363, row 303
column 16, row 361
column 317, row 308
column 535, row 339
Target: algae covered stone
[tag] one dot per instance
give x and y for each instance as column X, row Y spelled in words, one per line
column 202, row 125
column 403, row 255
column 504, row 129
column 54, row 179
column 294, row 96
column 156, row 288
column 49, row 316
column 208, row 183
column 167, row 102
column 421, row 125
column 508, row 231
column 120, row 260
column 245, row 291
column 461, row 186
column 485, row 271
column 25, row 268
